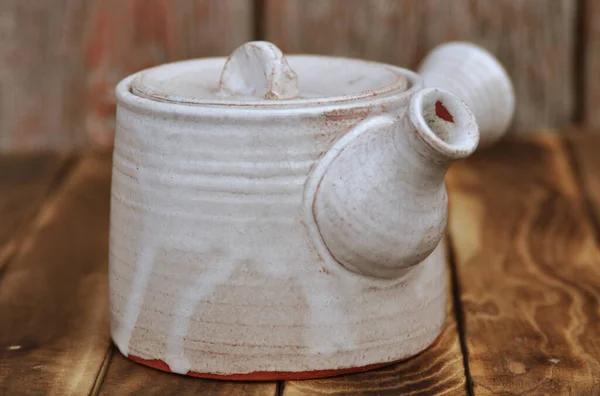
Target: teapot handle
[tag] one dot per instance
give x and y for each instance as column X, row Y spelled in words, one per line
column 258, row 69
column 474, row 75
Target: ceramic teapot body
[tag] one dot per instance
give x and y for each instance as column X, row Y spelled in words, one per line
column 269, row 231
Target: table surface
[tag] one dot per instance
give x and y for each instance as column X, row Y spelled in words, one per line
column 523, row 315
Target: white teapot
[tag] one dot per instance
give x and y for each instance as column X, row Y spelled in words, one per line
column 280, row 217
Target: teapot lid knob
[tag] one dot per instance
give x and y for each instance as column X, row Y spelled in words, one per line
column 258, row 69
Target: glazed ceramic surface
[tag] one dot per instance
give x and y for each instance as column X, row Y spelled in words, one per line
column 276, row 214
column 477, row 77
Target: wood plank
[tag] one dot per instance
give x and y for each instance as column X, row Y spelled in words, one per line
column 590, row 47
column 534, row 39
column 60, row 60
column 436, row 371
column 41, row 74
column 53, row 294
column 25, row 181
column 584, row 148
column 125, row 377
column 529, row 270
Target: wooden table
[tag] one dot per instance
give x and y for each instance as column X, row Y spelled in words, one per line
column 524, row 315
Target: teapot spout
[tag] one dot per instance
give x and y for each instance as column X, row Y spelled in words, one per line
column 440, row 127
column 381, row 205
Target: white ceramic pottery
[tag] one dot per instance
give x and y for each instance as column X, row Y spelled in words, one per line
column 280, row 217
column 477, row 77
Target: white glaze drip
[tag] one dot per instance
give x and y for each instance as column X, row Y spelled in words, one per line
column 143, row 269
column 201, row 288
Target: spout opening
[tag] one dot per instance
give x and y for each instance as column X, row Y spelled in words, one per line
column 444, row 123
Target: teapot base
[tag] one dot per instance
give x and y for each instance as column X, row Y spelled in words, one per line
column 280, row 376
column 415, row 317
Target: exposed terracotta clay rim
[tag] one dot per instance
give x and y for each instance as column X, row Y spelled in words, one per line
column 280, row 376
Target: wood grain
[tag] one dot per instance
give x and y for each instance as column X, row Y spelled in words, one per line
column 25, row 181
column 529, row 270
column 436, row 371
column 590, row 46
column 527, row 258
column 60, row 60
column 584, row 148
column 53, row 294
column 125, row 377
column 534, row 39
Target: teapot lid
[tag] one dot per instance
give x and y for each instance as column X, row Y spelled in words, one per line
column 257, row 74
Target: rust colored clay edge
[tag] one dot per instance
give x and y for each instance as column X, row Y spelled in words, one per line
column 279, row 376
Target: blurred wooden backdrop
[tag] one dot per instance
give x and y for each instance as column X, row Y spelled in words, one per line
column 60, row 59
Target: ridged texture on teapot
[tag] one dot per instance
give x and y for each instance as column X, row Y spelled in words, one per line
column 477, row 77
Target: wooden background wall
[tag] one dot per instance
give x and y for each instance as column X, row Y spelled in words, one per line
column 60, row 59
